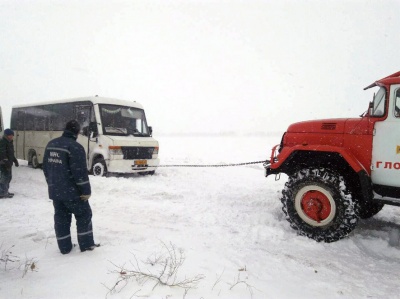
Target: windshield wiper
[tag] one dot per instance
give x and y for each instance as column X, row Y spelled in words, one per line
column 114, row 128
column 138, row 134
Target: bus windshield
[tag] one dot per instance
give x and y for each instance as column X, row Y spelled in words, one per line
column 123, row 120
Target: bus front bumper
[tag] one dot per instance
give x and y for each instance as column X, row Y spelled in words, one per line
column 132, row 166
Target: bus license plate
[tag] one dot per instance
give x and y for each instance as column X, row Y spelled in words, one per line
column 140, row 162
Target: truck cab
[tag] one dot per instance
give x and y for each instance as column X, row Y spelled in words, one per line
column 340, row 170
column 385, row 166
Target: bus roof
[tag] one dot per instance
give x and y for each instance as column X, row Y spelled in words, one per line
column 94, row 100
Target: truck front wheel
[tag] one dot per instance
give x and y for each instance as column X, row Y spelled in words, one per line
column 318, row 205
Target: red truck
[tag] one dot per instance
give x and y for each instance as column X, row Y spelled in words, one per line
column 341, row 170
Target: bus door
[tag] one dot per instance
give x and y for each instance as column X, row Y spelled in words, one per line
column 84, row 114
column 19, row 139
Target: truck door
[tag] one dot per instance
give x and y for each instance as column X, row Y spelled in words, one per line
column 386, row 144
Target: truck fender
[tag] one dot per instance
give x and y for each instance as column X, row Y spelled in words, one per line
column 288, row 151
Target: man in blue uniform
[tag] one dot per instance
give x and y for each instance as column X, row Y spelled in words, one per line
column 65, row 169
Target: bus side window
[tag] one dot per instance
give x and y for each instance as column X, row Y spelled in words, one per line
column 59, row 115
column 83, row 117
column 87, row 120
column 20, row 119
column 29, row 119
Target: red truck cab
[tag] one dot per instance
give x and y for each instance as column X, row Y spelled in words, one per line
column 341, row 170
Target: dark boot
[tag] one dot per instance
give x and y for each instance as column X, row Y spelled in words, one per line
column 90, row 248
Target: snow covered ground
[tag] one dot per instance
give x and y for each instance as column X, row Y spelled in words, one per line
column 226, row 223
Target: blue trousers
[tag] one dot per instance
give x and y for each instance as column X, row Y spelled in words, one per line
column 5, row 179
column 63, row 211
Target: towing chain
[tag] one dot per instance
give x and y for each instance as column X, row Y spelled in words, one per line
column 215, row 165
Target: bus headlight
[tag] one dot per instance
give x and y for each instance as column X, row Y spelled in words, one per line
column 155, row 151
column 115, row 150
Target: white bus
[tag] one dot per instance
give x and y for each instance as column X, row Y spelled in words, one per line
column 114, row 133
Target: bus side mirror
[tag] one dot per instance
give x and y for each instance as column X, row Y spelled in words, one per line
column 93, row 129
column 85, row 131
column 150, row 131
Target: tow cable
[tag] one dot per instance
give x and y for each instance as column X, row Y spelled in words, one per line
column 214, row 165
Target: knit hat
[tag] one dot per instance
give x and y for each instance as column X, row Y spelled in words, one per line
column 73, row 126
column 8, row 132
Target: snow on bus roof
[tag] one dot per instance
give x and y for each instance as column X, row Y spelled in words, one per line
column 93, row 99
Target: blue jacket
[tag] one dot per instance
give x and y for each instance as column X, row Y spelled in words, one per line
column 7, row 157
column 65, row 169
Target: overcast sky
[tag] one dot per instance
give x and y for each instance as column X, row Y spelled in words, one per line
column 201, row 66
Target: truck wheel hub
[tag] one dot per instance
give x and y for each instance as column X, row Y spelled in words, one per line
column 316, row 205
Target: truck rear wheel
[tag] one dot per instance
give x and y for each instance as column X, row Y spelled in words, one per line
column 318, row 205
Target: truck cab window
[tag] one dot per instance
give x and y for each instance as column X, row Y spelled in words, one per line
column 379, row 103
column 397, row 104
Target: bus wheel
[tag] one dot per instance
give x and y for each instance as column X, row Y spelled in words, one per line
column 99, row 167
column 35, row 162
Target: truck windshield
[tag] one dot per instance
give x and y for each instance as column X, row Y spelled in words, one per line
column 379, row 102
column 123, row 121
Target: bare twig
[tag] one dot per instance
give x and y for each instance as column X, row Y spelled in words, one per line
column 218, row 280
column 238, row 281
column 6, row 256
column 30, row 265
column 166, row 266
